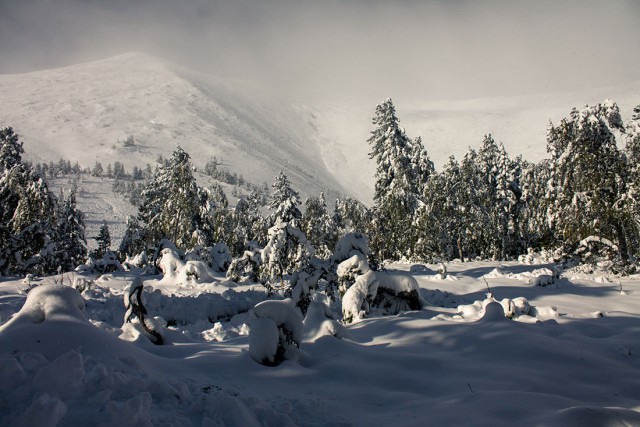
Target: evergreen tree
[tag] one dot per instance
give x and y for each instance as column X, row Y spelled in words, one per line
column 284, row 201
column 349, row 215
column 441, row 221
column 170, row 205
column 396, row 193
column 104, row 241
column 246, row 224
column 422, row 165
column 588, row 181
column 27, row 213
column 72, row 244
column 534, row 229
column 631, row 206
column 286, row 253
column 318, row 226
column 133, row 240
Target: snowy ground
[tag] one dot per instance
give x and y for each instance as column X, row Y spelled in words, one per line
column 572, row 360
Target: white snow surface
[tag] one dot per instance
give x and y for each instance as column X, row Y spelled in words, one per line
column 566, row 355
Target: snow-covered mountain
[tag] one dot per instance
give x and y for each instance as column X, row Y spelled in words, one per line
column 84, row 112
column 81, row 112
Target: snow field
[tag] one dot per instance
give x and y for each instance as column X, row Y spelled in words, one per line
column 457, row 361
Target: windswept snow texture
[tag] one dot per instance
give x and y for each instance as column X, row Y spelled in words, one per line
column 560, row 355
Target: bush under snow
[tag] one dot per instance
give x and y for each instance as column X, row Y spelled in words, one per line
column 275, row 334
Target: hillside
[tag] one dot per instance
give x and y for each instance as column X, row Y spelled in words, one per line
column 83, row 111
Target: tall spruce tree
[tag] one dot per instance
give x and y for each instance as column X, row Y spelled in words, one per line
column 72, row 244
column 396, row 195
column 103, row 239
column 632, row 199
column 588, row 180
column 27, row 213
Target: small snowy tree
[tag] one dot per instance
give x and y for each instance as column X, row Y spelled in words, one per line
column 318, row 226
column 284, row 202
column 287, row 252
column 72, row 244
column 103, row 239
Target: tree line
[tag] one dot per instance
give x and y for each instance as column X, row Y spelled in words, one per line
column 581, row 204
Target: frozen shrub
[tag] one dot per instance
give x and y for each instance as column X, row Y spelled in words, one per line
column 134, row 303
column 220, row 257
column 276, row 329
column 396, row 293
column 349, row 259
column 357, row 300
column 384, row 293
column 349, row 270
column 246, row 267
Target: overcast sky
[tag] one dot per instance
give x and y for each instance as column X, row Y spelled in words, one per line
column 417, row 50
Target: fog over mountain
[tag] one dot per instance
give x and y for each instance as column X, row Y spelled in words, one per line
column 410, row 50
column 315, row 71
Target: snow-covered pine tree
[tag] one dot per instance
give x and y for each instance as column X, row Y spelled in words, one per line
column 71, row 241
column 284, row 202
column 132, row 243
column 441, row 221
column 286, row 252
column 508, row 205
column 170, row 205
column 395, row 196
column 318, row 226
column 27, row 213
column 632, row 199
column 588, row 182
column 534, row 229
column 489, row 170
column 213, row 223
column 103, row 239
column 422, row 165
column 350, row 216
column 247, row 224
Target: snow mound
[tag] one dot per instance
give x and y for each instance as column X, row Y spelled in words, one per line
column 176, row 270
column 48, row 302
column 318, row 323
column 589, row 416
column 493, row 312
column 276, row 330
column 517, row 308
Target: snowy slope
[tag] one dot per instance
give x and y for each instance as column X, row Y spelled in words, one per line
column 459, row 361
column 82, row 111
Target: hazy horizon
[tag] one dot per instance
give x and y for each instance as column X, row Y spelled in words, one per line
column 410, row 50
